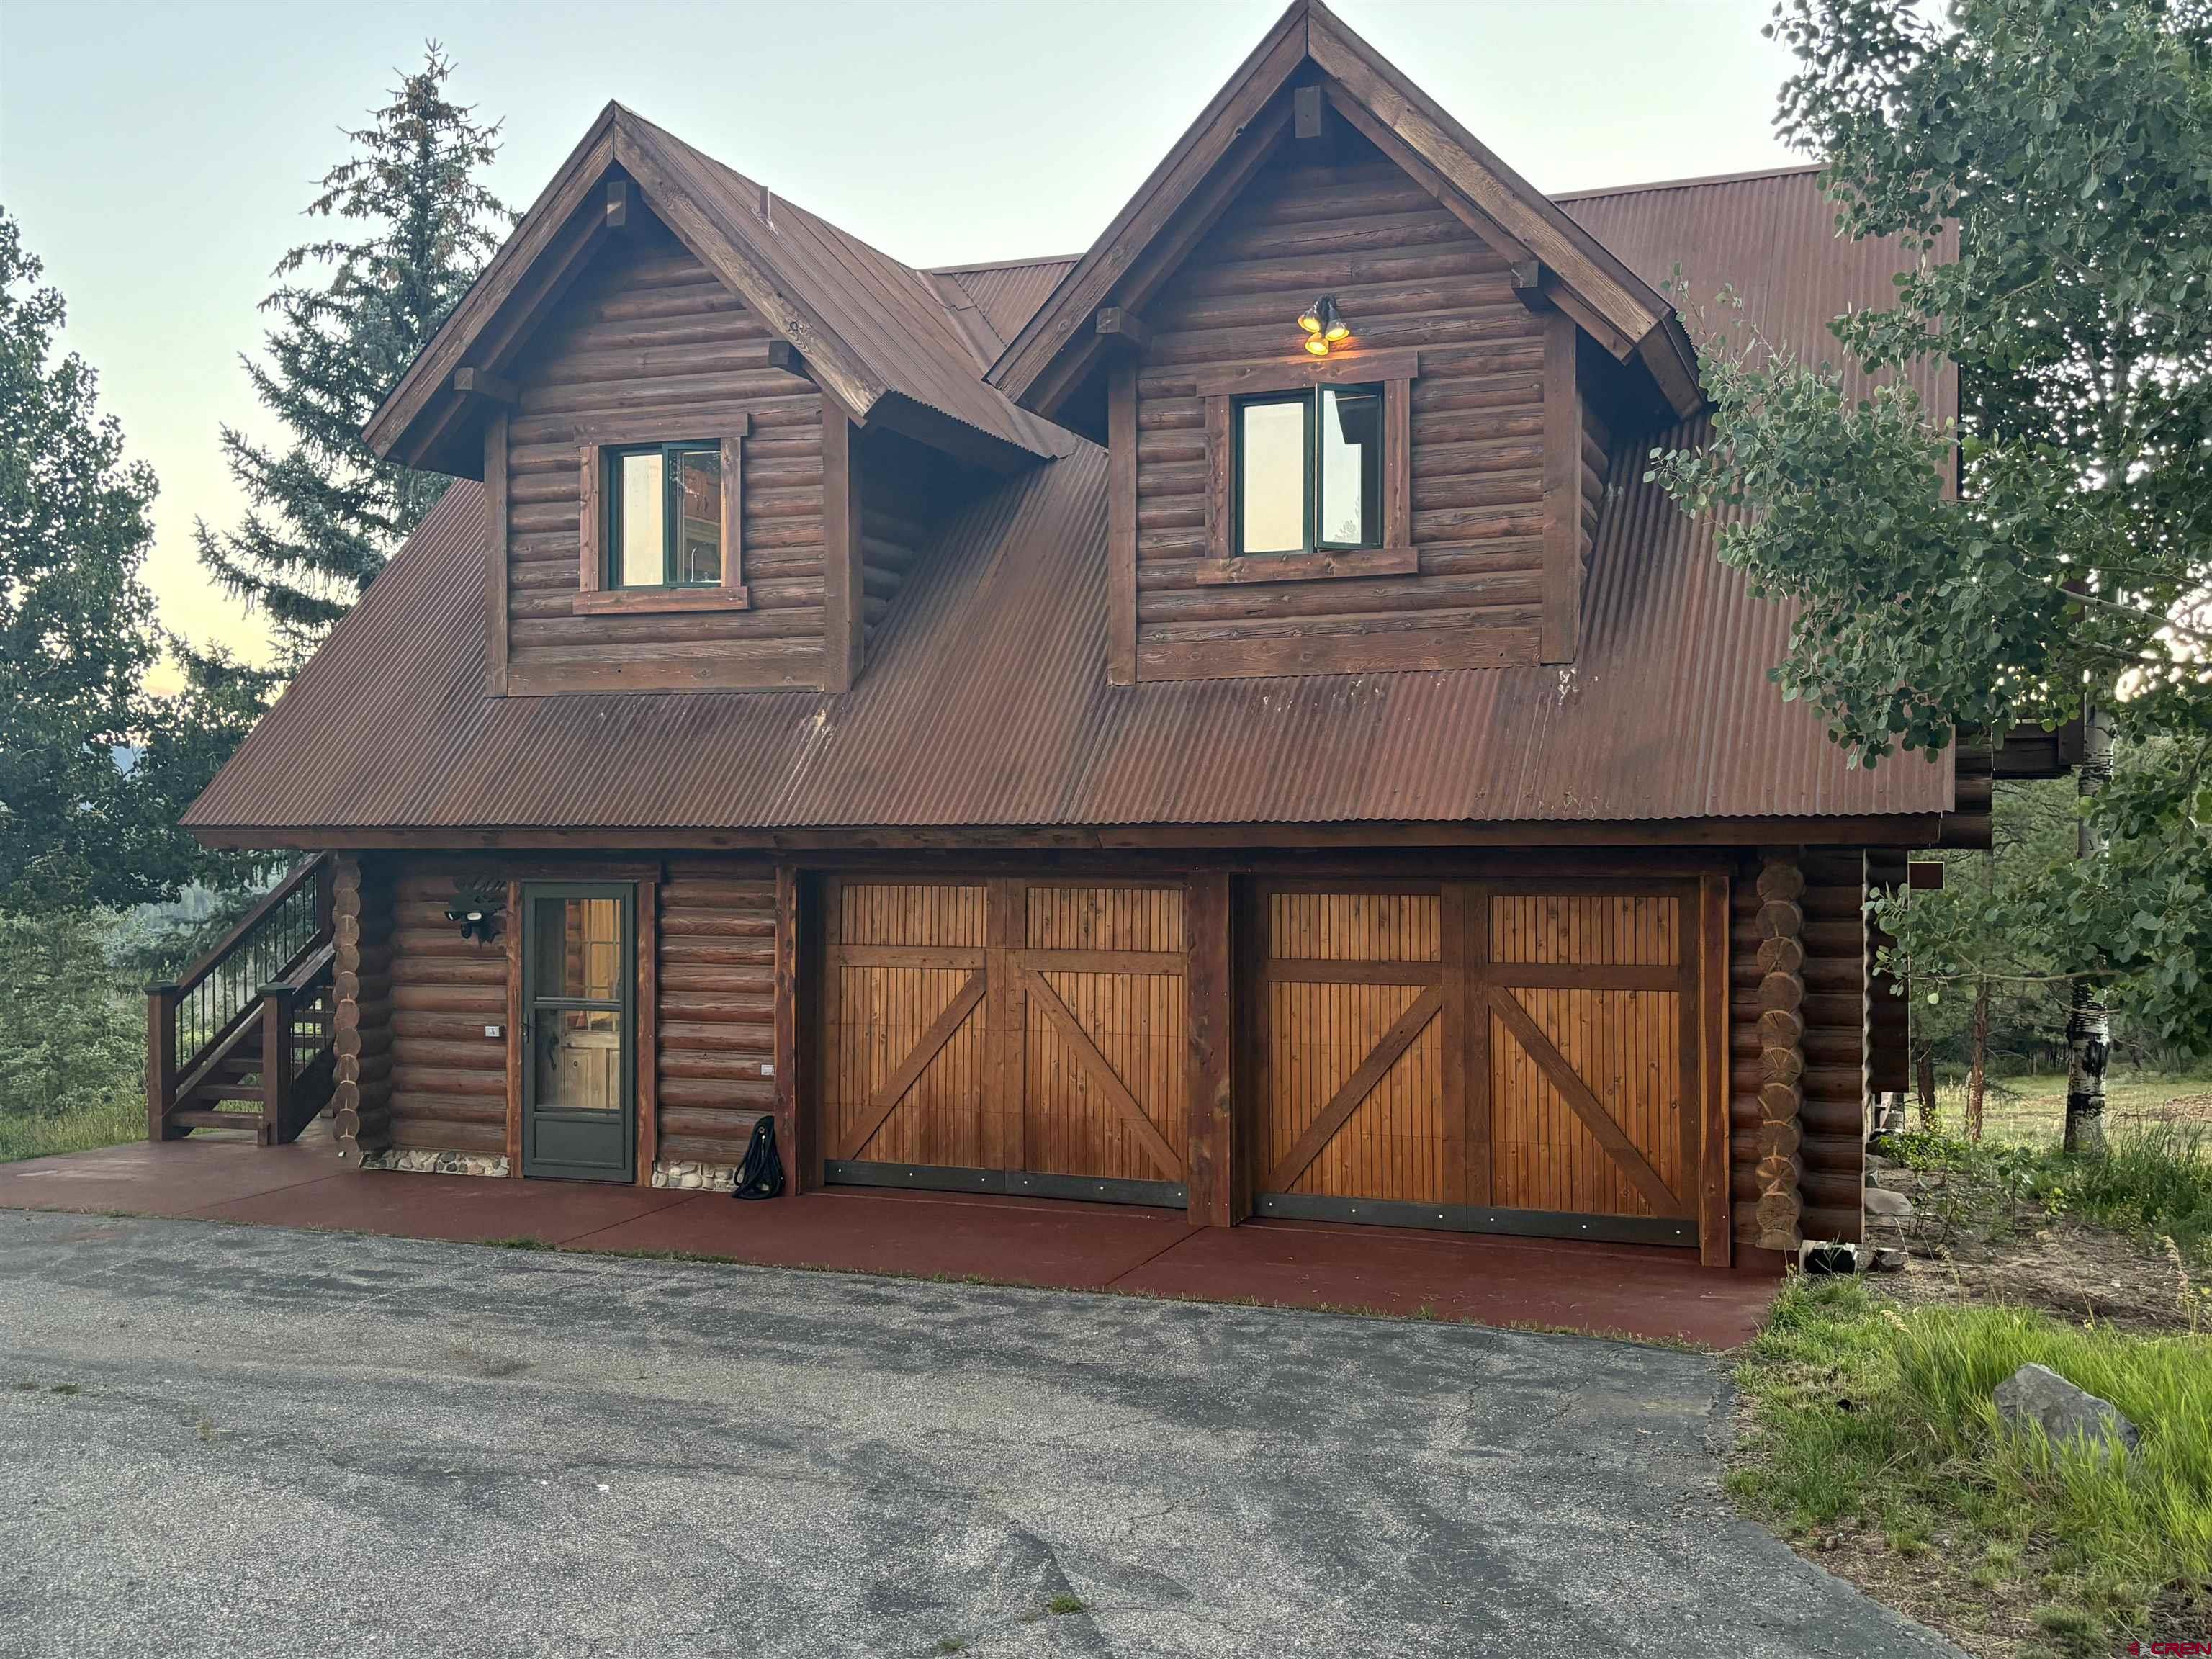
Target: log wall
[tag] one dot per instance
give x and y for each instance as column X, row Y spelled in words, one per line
column 1830, row 1109
column 715, row 983
column 448, row 1078
column 903, row 489
column 713, row 1002
column 424, row 1077
column 1406, row 274
column 361, row 999
column 651, row 347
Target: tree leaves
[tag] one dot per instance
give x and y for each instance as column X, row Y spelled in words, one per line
column 2069, row 149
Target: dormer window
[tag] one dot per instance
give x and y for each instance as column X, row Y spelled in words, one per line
column 1309, row 468
column 665, row 516
column 660, row 525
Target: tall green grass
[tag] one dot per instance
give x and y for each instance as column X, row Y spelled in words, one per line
column 1872, row 1416
column 104, row 1121
column 2153, row 1182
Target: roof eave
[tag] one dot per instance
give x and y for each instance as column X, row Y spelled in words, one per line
column 434, row 366
column 1050, row 359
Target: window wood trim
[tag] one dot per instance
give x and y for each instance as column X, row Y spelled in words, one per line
column 594, row 597
column 1352, row 366
column 1396, row 372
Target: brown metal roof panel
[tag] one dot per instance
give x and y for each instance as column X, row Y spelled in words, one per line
column 1010, row 293
column 1772, row 238
column 988, row 705
column 885, row 311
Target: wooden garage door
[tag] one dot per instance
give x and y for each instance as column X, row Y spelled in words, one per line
column 1486, row 1057
column 1006, row 1036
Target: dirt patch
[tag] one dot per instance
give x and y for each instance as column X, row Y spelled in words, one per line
column 1969, row 1240
column 1990, row 1622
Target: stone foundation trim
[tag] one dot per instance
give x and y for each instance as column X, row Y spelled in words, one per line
column 421, row 1162
column 703, row 1177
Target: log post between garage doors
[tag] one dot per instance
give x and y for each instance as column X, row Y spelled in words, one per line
column 1213, row 1150
column 801, row 1162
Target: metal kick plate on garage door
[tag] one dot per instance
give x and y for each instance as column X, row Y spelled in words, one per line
column 1478, row 1218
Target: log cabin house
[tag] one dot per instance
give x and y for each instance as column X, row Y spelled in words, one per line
column 1218, row 721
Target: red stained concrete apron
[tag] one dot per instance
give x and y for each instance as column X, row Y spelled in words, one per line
column 1652, row 1293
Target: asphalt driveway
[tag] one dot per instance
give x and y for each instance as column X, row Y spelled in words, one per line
column 236, row 1442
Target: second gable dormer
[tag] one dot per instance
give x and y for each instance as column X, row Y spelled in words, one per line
column 1357, row 382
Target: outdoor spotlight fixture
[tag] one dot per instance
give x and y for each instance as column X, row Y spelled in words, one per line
column 1324, row 325
column 477, row 908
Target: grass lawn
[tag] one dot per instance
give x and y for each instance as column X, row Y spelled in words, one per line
column 1872, row 1442
column 118, row 1117
column 2033, row 1109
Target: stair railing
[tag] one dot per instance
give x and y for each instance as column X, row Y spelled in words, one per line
column 199, row 1021
column 298, row 1063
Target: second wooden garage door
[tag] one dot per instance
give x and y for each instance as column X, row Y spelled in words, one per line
column 1006, row 1036
column 1490, row 1056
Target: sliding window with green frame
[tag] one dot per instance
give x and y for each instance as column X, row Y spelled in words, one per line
column 664, row 515
column 1308, row 471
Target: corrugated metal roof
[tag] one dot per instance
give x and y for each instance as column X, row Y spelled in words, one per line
column 888, row 314
column 1772, row 237
column 985, row 701
column 1009, row 292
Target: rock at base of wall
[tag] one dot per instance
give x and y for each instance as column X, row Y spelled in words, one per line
column 2037, row 1394
column 700, row 1177
column 417, row 1161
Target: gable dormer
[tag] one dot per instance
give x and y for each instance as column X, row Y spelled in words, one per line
column 712, row 428
column 1419, row 495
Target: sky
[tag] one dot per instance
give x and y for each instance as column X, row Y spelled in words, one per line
column 158, row 158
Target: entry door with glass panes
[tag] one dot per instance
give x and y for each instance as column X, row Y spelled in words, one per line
column 579, row 1002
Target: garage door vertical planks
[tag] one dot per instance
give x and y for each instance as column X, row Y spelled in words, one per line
column 908, row 1051
column 1509, row 1056
column 1007, row 1035
column 1352, row 1097
column 1591, row 999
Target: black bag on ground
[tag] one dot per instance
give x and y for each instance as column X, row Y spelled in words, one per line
column 761, row 1175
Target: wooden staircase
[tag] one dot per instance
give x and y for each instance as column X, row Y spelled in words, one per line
column 242, row 1041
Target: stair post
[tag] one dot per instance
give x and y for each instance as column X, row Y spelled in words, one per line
column 161, row 1060
column 276, row 1061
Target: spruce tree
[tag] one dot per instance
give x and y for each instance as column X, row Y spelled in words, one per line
column 325, row 513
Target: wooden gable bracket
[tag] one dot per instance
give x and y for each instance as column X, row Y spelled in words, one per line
column 482, row 383
column 1122, row 326
column 1309, row 125
column 1532, row 284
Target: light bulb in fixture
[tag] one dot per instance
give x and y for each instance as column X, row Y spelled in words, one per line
column 1318, row 344
column 1310, row 319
